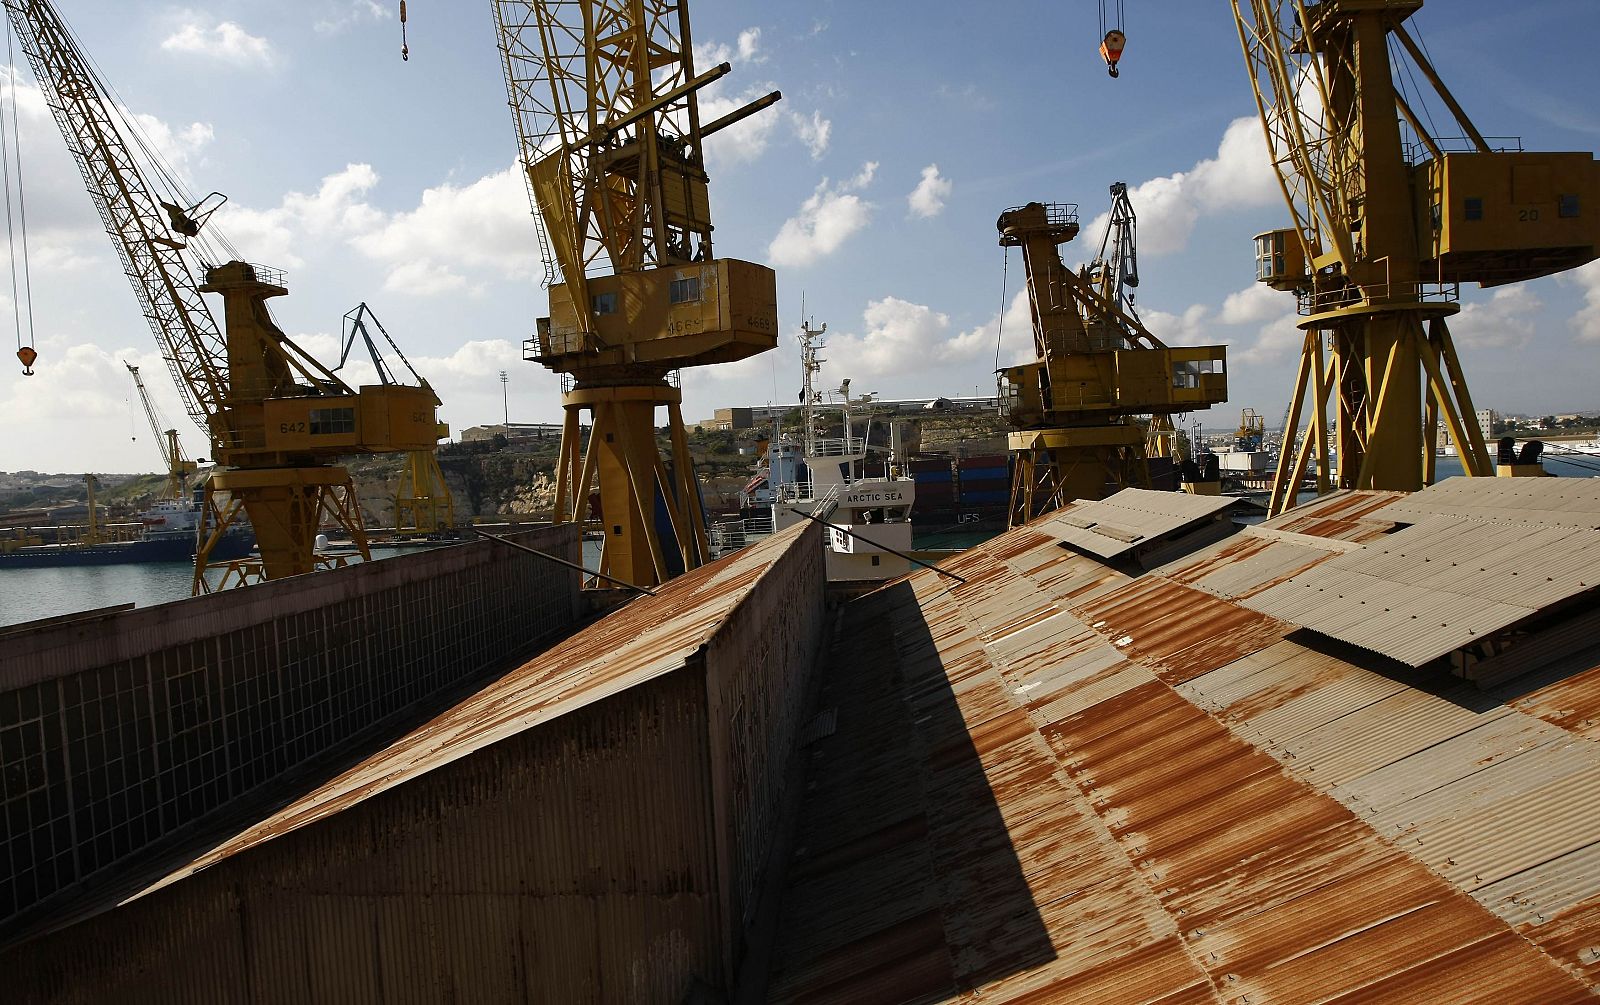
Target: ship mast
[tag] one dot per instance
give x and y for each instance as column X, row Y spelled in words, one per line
column 810, row 365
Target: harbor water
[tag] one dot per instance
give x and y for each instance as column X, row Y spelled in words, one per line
column 31, row 594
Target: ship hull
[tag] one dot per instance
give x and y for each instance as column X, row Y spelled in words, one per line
column 173, row 548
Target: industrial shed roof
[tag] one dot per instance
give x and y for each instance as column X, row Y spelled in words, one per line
column 1455, row 574
column 1058, row 783
column 1133, row 518
column 1554, row 502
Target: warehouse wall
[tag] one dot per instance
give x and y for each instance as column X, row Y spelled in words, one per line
column 759, row 677
column 119, row 730
column 584, row 858
column 569, row 863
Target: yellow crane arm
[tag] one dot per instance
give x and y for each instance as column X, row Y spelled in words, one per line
column 134, row 217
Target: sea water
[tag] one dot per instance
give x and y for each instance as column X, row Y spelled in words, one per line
column 30, row 594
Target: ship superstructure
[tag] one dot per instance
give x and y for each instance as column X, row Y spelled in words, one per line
column 831, row 478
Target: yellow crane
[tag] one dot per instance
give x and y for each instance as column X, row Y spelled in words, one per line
column 1388, row 222
column 1096, row 366
column 277, row 419
column 423, row 503
column 603, row 93
column 178, row 466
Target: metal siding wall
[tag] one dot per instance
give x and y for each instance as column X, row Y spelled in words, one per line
column 210, row 697
column 759, row 672
column 571, row 863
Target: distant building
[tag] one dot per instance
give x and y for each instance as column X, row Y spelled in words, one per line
column 1487, row 417
column 515, row 432
column 734, row 418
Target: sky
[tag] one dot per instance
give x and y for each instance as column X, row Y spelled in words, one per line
column 872, row 189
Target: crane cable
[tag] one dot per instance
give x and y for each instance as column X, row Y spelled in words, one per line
column 1112, row 36
column 157, row 165
column 25, row 351
column 1000, row 325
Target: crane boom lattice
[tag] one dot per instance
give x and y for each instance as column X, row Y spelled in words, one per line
column 187, row 334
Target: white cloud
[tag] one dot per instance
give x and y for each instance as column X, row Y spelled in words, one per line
column 745, row 140
column 1256, row 302
column 1504, row 321
column 1239, row 176
column 424, row 278
column 1188, row 328
column 1587, row 321
column 344, row 15
column 275, row 236
column 478, row 226
column 814, row 132
column 825, row 221
column 927, row 199
column 83, row 386
column 483, row 225
column 746, row 50
column 1008, row 339
column 1267, row 319
column 900, row 337
column 224, row 41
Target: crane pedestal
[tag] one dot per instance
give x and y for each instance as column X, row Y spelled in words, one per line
column 650, row 508
column 286, row 506
column 1052, row 467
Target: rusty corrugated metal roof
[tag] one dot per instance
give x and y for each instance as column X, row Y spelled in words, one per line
column 1224, row 814
column 1347, row 515
column 1130, row 519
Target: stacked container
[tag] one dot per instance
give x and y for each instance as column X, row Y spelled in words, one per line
column 985, row 482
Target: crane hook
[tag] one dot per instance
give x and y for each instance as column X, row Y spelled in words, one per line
column 1111, row 50
column 27, row 356
column 405, row 50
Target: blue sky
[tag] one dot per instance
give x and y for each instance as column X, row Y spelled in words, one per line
column 369, row 179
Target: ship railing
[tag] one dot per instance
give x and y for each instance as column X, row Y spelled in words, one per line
column 836, row 446
column 828, row 504
column 728, row 536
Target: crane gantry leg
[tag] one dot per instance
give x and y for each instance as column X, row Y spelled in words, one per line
column 650, row 509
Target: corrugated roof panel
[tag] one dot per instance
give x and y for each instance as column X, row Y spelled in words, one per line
column 1177, row 814
column 1559, row 502
column 1570, row 937
column 1540, row 894
column 1177, row 631
column 1131, row 518
column 1272, row 563
column 1345, row 515
column 1572, row 703
column 1483, row 794
column 1257, row 865
column 1515, row 814
column 1412, row 624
